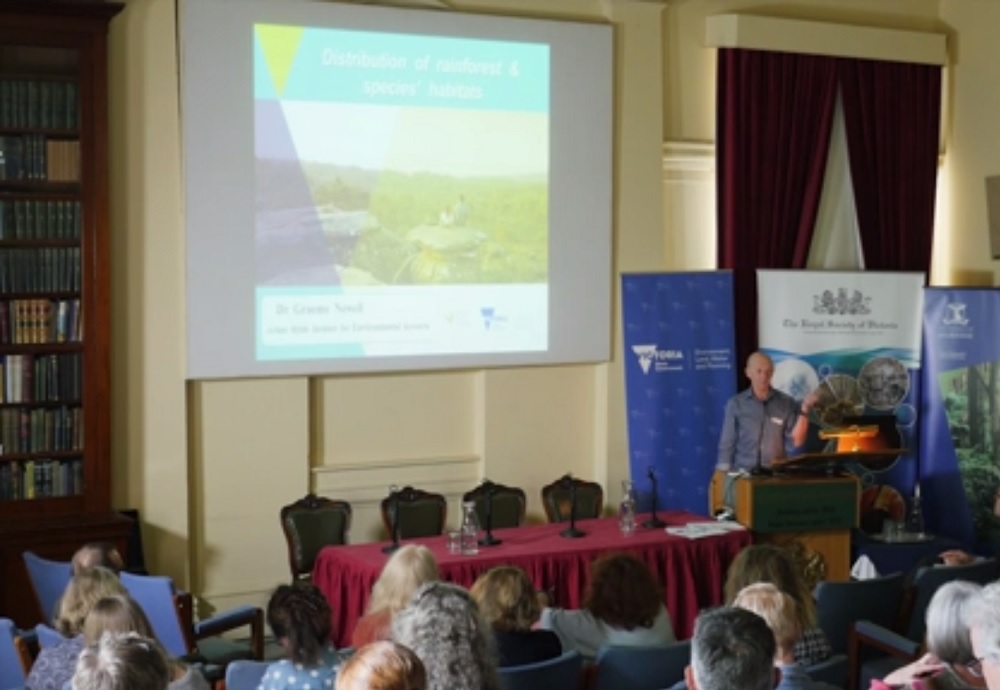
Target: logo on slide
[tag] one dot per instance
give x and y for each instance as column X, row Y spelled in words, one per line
column 665, row 360
column 956, row 315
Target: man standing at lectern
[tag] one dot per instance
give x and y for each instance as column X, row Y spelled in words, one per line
column 761, row 421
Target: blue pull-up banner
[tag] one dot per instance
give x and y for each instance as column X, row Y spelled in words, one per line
column 679, row 357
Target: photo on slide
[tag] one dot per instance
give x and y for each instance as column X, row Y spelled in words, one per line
column 394, row 160
column 971, row 401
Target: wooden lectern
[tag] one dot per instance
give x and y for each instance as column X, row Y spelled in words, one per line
column 817, row 511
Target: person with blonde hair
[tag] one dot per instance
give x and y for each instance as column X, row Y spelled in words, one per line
column 509, row 603
column 121, row 614
column 779, row 611
column 406, row 570
column 775, row 564
column 123, row 661
column 94, row 554
column 55, row 664
column 382, row 665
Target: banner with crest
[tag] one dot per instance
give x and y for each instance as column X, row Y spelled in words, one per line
column 679, row 350
column 960, row 436
column 855, row 339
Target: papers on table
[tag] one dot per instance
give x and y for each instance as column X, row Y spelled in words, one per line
column 698, row 530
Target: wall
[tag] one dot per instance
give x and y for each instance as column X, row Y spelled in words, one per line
column 210, row 463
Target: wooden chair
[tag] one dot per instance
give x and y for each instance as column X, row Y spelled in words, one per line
column 509, row 504
column 419, row 513
column 556, row 499
column 309, row 524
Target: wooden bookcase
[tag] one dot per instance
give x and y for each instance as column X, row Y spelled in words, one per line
column 55, row 388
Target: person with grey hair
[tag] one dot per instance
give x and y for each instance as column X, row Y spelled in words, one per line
column 984, row 624
column 124, row 661
column 443, row 626
column 949, row 663
column 731, row 648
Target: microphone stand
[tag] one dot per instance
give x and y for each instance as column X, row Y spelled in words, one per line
column 393, row 521
column 572, row 532
column 759, row 470
column 653, row 522
column 488, row 539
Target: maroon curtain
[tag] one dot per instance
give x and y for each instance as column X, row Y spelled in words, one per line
column 892, row 116
column 774, row 114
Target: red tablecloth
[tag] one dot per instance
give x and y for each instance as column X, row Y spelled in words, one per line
column 691, row 571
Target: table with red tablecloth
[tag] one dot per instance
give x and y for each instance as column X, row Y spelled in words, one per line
column 691, row 571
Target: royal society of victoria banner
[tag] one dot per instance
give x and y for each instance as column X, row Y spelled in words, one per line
column 854, row 338
column 679, row 358
column 960, row 474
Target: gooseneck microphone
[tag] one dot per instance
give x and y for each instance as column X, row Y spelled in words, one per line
column 490, row 489
column 653, row 522
column 759, row 470
column 571, row 532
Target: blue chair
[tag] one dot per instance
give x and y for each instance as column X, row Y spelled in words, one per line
column 14, row 661
column 47, row 636
column 245, row 675
column 641, row 668
column 903, row 645
column 171, row 614
column 561, row 673
column 48, row 579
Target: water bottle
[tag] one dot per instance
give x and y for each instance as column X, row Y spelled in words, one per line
column 470, row 529
column 626, row 510
column 915, row 520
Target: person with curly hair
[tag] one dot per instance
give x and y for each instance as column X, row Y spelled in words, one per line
column 382, row 665
column 443, row 626
column 407, row 569
column 622, row 606
column 299, row 617
column 508, row 601
column 775, row 564
column 54, row 665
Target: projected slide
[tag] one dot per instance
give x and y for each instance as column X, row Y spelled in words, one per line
column 402, row 194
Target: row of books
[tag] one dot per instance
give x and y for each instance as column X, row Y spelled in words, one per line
column 31, row 321
column 36, row 157
column 40, row 429
column 38, row 104
column 42, row 269
column 40, row 219
column 40, row 378
column 40, row 479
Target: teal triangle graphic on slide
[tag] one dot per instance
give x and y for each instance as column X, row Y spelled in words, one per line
column 263, row 82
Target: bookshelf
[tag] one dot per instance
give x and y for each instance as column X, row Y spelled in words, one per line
column 55, row 472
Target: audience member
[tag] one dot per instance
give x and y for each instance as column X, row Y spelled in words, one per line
column 299, row 616
column 623, row 606
column 774, row 564
column 102, row 554
column 442, row 625
column 382, row 665
column 125, row 661
column 949, row 663
column 121, row 614
column 509, row 603
column 779, row 611
column 731, row 648
column 404, row 572
column 54, row 665
column 984, row 625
